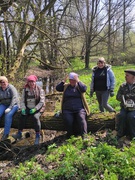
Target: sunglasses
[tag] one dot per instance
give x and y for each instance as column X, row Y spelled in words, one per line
column 2, row 82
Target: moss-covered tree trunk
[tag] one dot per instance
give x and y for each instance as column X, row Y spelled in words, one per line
column 95, row 122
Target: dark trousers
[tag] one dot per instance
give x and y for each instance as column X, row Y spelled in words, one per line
column 35, row 119
column 75, row 122
column 126, row 123
column 102, row 98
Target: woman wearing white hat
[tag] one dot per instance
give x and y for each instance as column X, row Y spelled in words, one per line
column 74, row 105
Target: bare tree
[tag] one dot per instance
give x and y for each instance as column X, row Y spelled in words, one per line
column 127, row 9
column 24, row 36
column 49, row 31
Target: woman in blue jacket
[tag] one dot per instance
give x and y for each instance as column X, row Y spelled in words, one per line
column 103, row 82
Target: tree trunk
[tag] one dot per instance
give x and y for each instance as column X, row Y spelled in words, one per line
column 95, row 122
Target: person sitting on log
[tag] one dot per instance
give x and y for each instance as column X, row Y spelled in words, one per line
column 9, row 104
column 32, row 104
column 74, row 105
column 125, row 120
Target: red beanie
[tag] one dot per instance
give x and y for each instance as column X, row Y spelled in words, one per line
column 32, row 78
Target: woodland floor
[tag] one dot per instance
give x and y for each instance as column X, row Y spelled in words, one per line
column 23, row 150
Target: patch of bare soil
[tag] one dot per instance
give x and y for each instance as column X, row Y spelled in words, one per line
column 12, row 153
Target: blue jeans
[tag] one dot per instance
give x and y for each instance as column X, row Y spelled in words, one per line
column 126, row 123
column 8, row 116
column 102, row 98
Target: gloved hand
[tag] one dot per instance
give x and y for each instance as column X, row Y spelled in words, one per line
column 7, row 110
column 91, row 93
column 32, row 111
column 23, row 112
column 111, row 93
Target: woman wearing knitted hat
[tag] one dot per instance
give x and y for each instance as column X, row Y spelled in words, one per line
column 9, row 104
column 74, row 105
column 32, row 104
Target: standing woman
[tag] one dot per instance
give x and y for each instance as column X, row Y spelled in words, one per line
column 103, row 82
column 74, row 106
column 32, row 104
column 9, row 104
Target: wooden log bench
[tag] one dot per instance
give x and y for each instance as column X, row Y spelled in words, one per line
column 95, row 122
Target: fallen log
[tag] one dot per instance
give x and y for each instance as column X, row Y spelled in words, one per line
column 95, row 122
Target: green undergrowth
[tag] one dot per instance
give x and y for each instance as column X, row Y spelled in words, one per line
column 79, row 159
column 89, row 159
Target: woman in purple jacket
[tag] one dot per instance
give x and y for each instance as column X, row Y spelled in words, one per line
column 74, row 106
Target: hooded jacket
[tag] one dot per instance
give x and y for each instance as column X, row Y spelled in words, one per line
column 110, row 78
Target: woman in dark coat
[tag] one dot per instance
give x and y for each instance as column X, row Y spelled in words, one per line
column 74, row 105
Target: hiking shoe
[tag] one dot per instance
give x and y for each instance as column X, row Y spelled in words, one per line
column 17, row 136
column 37, row 140
column 4, row 137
